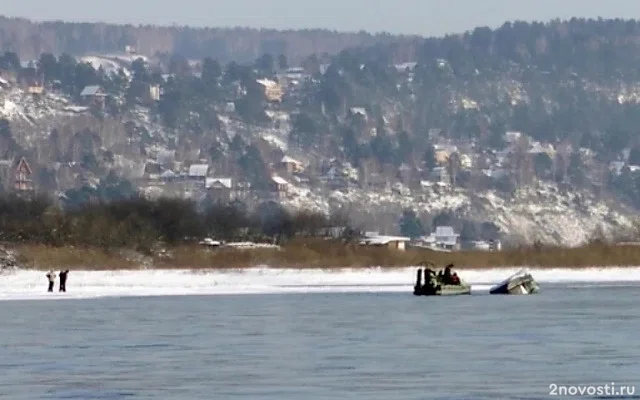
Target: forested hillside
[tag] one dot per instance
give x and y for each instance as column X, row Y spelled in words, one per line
column 30, row 39
column 533, row 127
column 573, row 84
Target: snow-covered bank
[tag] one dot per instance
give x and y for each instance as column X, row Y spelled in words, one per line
column 542, row 213
column 22, row 284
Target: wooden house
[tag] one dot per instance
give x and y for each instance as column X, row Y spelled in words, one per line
column 16, row 175
column 93, row 95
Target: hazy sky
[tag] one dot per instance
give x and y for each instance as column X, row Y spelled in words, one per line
column 424, row 17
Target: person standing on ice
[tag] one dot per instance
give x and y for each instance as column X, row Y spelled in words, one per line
column 52, row 280
column 63, row 280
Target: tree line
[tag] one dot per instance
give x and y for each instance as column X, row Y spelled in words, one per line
column 142, row 224
column 30, row 38
column 571, row 102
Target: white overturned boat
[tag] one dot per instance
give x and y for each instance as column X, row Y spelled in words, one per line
column 519, row 283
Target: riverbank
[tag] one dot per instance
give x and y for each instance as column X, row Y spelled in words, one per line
column 318, row 254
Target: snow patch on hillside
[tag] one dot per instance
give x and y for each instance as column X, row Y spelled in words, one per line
column 108, row 65
column 16, row 104
column 542, row 213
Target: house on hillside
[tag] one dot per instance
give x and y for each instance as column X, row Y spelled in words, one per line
column 440, row 174
column 293, row 77
column 17, row 175
column 466, row 162
column 93, row 95
column 444, row 237
column 272, row 90
column 23, row 177
column 168, row 176
column 198, row 172
column 219, row 189
column 279, row 185
column 291, row 165
column 391, row 242
column 35, row 87
column 197, row 175
column 152, row 93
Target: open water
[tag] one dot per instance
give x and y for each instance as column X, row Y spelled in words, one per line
column 387, row 346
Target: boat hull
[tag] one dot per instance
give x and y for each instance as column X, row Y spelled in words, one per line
column 448, row 290
column 454, row 290
column 517, row 285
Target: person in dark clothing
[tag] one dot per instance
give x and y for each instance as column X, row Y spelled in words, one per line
column 51, row 276
column 447, row 275
column 63, row 280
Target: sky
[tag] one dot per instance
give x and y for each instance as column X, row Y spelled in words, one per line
column 421, row 17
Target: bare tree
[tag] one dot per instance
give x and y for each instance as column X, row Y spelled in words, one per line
column 521, row 162
column 453, row 166
column 564, row 158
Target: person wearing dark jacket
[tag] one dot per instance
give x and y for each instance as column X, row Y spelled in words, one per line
column 446, row 279
column 63, row 280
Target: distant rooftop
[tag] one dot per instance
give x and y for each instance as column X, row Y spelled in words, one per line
column 219, row 182
column 267, row 82
column 279, row 180
column 198, row 170
column 91, row 90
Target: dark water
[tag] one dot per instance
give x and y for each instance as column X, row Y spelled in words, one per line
column 387, row 346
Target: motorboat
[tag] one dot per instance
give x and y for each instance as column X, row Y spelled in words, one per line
column 519, row 283
column 435, row 284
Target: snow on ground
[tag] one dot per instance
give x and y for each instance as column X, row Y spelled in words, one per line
column 23, row 284
column 33, row 117
column 275, row 141
column 542, row 213
column 108, row 65
column 121, row 57
column 545, row 214
column 17, row 104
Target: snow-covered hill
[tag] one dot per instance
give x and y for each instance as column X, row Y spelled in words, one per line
column 542, row 213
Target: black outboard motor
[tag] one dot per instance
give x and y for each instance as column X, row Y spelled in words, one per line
column 417, row 288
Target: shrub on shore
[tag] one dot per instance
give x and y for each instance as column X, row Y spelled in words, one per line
column 325, row 254
column 142, row 224
column 103, row 235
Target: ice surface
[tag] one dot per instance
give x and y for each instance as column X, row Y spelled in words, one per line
column 24, row 284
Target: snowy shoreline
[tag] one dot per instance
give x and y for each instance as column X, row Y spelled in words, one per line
column 328, row 270
column 31, row 284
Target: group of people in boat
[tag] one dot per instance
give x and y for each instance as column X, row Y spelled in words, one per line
column 51, row 276
column 445, row 277
column 433, row 282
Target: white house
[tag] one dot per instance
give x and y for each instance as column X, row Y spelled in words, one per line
column 444, row 237
column 392, row 242
column 198, row 171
